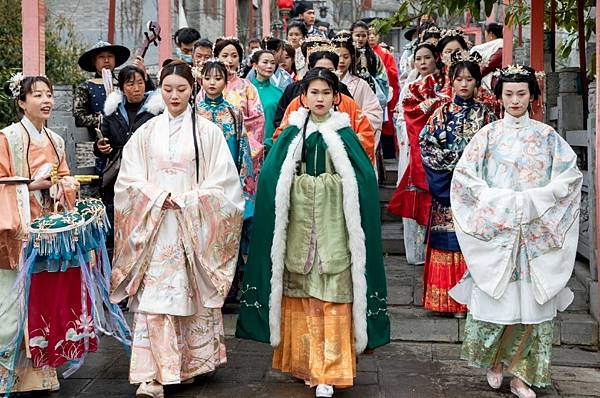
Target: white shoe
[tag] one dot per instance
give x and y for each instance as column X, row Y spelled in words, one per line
column 521, row 391
column 55, row 388
column 324, row 390
column 152, row 389
column 494, row 379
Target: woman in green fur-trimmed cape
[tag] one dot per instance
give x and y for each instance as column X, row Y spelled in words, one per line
column 317, row 204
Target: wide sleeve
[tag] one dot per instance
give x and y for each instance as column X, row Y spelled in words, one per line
column 13, row 223
column 254, row 119
column 492, row 223
column 369, row 104
column 211, row 218
column 138, row 213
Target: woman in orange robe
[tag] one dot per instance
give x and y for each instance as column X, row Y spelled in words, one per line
column 28, row 154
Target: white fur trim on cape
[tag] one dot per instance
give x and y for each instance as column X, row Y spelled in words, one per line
column 351, row 204
column 112, row 102
column 153, row 104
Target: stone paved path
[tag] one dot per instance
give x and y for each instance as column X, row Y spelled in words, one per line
column 398, row 370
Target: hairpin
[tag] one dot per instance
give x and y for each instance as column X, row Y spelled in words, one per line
column 465, row 56
column 515, row 71
column 451, row 33
column 14, row 84
column 326, row 47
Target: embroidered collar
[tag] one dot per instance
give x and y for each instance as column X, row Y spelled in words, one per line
column 217, row 101
column 463, row 102
column 516, row 122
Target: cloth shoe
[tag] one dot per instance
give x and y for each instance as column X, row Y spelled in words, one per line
column 494, row 379
column 152, row 389
column 324, row 390
column 521, row 391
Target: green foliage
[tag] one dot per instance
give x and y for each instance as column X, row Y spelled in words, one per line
column 10, row 61
column 62, row 51
column 399, row 19
column 404, row 17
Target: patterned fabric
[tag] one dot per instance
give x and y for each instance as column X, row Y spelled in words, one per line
column 515, row 197
column 524, row 349
column 176, row 266
column 411, row 198
column 243, row 95
column 230, row 120
column 449, row 130
column 443, row 269
column 442, row 142
column 316, row 342
column 171, row 349
column 60, row 326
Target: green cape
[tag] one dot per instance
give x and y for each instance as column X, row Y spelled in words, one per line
column 253, row 322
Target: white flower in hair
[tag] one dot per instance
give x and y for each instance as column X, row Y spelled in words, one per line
column 14, row 84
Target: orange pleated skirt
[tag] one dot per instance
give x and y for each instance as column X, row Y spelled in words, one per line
column 317, row 343
column 443, row 270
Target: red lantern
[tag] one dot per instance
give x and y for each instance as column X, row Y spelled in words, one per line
column 285, row 5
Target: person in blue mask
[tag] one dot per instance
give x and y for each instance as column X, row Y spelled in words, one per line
column 184, row 40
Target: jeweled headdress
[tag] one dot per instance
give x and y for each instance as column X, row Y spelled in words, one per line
column 465, row 56
column 518, row 73
column 325, row 47
column 451, row 33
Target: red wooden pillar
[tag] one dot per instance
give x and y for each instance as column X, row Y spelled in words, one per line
column 507, row 36
column 597, row 182
column 537, row 44
column 111, row 21
column 33, row 39
column 165, row 50
column 266, row 18
column 230, row 18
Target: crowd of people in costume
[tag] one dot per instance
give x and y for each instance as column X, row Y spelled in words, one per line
column 252, row 177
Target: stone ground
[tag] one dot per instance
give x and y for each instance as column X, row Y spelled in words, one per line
column 401, row 369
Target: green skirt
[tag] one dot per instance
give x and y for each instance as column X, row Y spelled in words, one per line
column 525, row 350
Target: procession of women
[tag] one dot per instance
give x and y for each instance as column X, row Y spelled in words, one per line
column 251, row 177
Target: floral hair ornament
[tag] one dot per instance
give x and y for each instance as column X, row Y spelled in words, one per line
column 451, row 33
column 465, row 56
column 325, row 47
column 518, row 73
column 14, row 84
column 433, row 30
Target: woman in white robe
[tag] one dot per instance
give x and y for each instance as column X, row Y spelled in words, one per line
column 178, row 215
column 515, row 198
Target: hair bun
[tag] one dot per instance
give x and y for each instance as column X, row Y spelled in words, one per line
column 6, row 89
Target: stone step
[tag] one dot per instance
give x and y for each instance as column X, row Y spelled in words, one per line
column 385, row 192
column 392, row 239
column 391, row 171
column 386, row 216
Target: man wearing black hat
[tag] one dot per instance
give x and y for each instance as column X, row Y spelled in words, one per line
column 305, row 11
column 90, row 96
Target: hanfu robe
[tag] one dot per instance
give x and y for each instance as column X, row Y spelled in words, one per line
column 366, row 99
column 442, row 141
column 243, row 95
column 176, row 266
column 515, row 198
column 314, row 285
column 230, row 120
column 414, row 233
column 28, row 361
column 269, row 95
column 411, row 198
